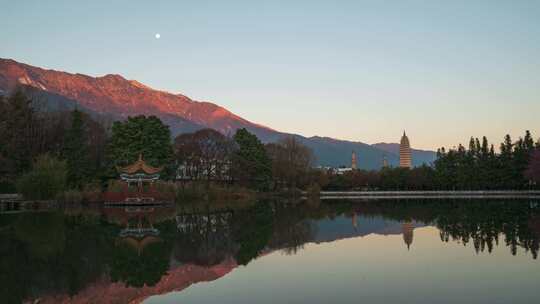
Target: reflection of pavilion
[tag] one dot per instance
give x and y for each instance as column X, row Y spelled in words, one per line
column 407, row 228
column 138, row 233
column 355, row 221
column 138, row 224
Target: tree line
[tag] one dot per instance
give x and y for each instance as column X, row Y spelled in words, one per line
column 515, row 167
column 66, row 148
column 44, row 152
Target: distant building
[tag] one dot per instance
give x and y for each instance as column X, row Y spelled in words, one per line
column 385, row 162
column 342, row 170
column 199, row 169
column 405, row 158
column 354, row 165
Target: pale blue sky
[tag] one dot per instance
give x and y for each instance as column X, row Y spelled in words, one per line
column 357, row 70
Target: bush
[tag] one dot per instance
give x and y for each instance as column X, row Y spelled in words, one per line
column 166, row 190
column 314, row 190
column 91, row 192
column 46, row 180
column 71, row 196
column 7, row 187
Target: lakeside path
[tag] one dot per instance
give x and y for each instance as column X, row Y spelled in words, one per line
column 535, row 194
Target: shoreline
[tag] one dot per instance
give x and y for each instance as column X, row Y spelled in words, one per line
column 492, row 194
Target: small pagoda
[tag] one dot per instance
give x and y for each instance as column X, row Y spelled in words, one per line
column 140, row 174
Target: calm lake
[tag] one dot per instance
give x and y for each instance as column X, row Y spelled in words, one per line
column 336, row 251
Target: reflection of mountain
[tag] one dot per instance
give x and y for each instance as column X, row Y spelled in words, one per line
column 202, row 245
column 176, row 279
column 342, row 227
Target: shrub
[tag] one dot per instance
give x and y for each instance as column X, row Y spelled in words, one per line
column 71, row 196
column 165, row 189
column 117, row 186
column 7, row 187
column 314, row 190
column 91, row 192
column 46, row 180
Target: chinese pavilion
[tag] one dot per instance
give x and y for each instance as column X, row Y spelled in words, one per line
column 139, row 172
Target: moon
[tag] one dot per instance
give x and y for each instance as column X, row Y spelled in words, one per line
column 158, row 36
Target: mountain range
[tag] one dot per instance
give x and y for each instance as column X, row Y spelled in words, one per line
column 115, row 97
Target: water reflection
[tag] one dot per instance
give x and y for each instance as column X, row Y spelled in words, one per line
column 125, row 254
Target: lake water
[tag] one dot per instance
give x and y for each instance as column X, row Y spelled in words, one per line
column 342, row 251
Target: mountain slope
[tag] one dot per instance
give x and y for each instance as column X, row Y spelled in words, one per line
column 117, row 98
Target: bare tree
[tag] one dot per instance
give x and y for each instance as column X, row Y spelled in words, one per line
column 291, row 162
column 204, row 154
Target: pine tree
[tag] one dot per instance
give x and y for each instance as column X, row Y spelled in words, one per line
column 251, row 160
column 528, row 142
column 138, row 135
column 16, row 134
column 522, row 153
column 76, row 152
column 505, row 162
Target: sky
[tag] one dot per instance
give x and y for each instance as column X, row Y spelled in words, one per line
column 356, row 70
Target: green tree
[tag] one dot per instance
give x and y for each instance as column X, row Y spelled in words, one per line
column 521, row 154
column 76, row 151
column 139, row 135
column 17, row 125
column 533, row 169
column 46, row 180
column 291, row 162
column 505, row 162
column 252, row 164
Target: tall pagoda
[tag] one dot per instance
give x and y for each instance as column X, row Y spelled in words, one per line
column 405, row 154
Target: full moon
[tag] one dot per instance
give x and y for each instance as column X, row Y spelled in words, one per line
column 158, row 36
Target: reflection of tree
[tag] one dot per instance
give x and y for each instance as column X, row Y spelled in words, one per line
column 44, row 233
column 203, row 238
column 254, row 233
column 139, row 269
column 478, row 221
column 143, row 248
column 292, row 228
column 77, row 255
column 482, row 223
column 53, row 253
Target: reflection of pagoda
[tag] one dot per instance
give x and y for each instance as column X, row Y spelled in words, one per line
column 139, row 232
column 138, row 224
column 407, row 228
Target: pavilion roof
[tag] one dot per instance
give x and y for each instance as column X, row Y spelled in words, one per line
column 139, row 244
column 139, row 166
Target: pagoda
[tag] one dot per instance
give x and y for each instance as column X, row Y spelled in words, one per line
column 405, row 154
column 140, row 173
